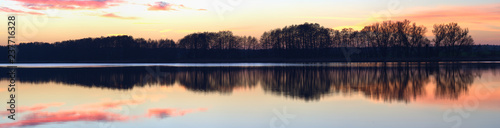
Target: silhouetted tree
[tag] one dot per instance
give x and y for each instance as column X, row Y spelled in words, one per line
column 303, row 36
column 452, row 36
column 401, row 37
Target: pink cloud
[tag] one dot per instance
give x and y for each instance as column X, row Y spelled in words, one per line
column 481, row 17
column 9, row 10
column 37, row 107
column 161, row 6
column 68, row 4
column 164, row 6
column 39, row 118
column 481, row 12
column 89, row 112
column 170, row 112
column 112, row 15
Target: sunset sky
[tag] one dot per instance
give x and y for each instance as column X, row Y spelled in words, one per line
column 58, row 20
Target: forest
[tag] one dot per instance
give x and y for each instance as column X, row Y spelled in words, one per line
column 309, row 42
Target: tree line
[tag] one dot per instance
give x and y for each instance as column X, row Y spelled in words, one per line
column 313, row 36
column 384, row 41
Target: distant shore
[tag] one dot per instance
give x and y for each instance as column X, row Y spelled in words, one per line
column 389, row 41
column 277, row 60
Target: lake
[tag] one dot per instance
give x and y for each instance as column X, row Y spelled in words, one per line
column 255, row 95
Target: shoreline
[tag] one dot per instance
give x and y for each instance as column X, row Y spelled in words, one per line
column 274, row 60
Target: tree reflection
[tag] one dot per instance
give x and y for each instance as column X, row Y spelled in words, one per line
column 451, row 81
column 305, row 83
column 223, row 80
column 400, row 83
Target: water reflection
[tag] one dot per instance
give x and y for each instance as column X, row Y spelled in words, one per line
column 403, row 83
column 96, row 112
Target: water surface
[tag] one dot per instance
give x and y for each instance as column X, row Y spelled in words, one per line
column 250, row 95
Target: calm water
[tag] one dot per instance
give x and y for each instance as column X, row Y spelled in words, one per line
column 255, row 95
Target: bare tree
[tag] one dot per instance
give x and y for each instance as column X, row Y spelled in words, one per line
column 452, row 36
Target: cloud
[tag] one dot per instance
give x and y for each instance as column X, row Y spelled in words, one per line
column 90, row 112
column 39, row 107
column 480, row 17
column 164, row 6
column 39, row 118
column 9, row 10
column 170, row 112
column 482, row 12
column 68, row 4
column 112, row 15
column 33, row 108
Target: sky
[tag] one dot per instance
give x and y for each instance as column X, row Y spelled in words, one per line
column 59, row 20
